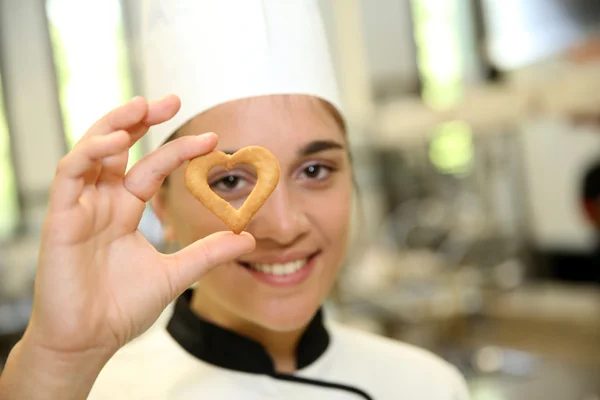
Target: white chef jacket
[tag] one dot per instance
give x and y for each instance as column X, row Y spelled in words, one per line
column 194, row 359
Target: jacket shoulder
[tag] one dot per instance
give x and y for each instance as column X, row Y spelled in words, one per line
column 398, row 361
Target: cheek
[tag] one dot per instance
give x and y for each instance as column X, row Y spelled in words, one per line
column 331, row 212
column 191, row 220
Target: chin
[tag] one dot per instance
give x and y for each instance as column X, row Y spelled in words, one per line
column 287, row 315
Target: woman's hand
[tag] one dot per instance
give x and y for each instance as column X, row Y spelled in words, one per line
column 99, row 282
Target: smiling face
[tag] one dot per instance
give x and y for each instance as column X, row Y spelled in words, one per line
column 302, row 229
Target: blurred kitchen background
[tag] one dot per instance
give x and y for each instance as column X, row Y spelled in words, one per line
column 474, row 125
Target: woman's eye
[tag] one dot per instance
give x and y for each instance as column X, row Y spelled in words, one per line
column 317, row 171
column 229, row 183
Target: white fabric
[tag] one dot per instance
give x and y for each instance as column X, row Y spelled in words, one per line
column 155, row 367
column 209, row 52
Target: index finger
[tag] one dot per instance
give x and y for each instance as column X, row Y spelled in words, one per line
column 145, row 178
column 136, row 116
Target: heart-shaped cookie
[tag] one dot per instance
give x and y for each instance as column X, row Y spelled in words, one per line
column 267, row 171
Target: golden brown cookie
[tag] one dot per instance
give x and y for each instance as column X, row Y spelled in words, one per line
column 267, row 171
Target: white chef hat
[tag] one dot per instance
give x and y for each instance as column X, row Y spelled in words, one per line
column 209, row 52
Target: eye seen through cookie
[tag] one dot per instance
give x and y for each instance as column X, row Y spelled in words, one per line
column 234, row 185
column 196, row 177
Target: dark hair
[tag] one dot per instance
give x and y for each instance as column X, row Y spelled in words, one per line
column 591, row 183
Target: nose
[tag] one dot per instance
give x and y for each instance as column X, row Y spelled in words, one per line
column 281, row 219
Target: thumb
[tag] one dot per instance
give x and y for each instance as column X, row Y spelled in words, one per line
column 189, row 264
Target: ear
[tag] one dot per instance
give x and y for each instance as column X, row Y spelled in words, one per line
column 159, row 206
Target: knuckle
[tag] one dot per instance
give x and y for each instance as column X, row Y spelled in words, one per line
column 63, row 165
column 206, row 254
column 158, row 175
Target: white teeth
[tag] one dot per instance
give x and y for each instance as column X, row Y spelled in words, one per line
column 280, row 269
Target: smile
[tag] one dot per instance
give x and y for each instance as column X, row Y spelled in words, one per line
column 279, row 269
column 287, row 273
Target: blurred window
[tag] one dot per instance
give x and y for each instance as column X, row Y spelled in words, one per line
column 437, row 38
column 9, row 202
column 92, row 64
column 442, row 44
column 522, row 33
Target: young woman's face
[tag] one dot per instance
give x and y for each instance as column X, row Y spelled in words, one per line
column 301, row 231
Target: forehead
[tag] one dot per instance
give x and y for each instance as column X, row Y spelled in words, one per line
column 277, row 122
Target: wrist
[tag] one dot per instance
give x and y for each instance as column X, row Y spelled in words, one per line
column 33, row 372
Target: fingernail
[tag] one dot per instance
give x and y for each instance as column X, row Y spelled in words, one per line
column 246, row 234
column 206, row 136
column 167, row 96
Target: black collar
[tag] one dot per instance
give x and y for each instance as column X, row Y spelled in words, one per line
column 227, row 349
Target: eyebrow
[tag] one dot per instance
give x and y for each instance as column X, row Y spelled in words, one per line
column 318, row 146
column 313, row 147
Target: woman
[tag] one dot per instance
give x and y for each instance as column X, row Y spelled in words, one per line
column 252, row 327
